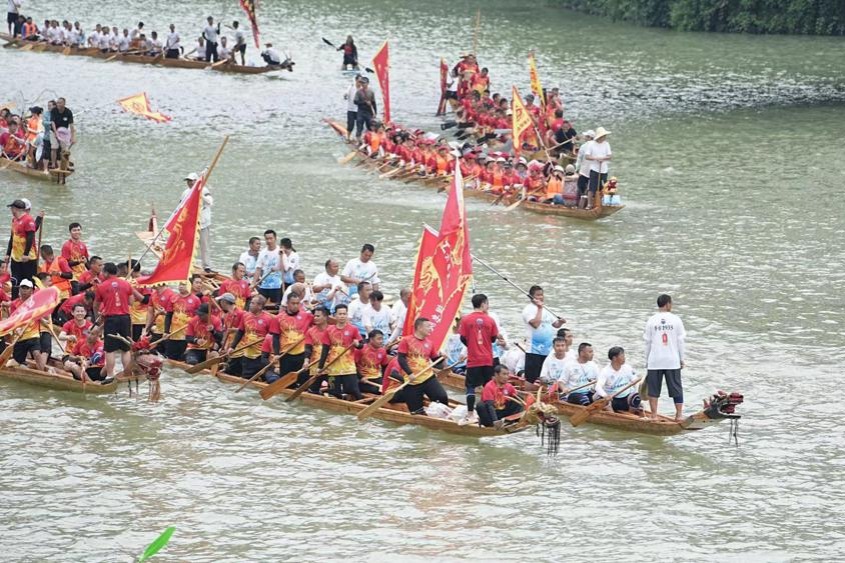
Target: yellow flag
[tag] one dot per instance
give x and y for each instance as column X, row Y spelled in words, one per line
column 536, row 87
column 521, row 121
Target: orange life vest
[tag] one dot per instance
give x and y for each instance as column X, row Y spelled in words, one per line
column 442, row 164
column 34, row 127
column 375, row 141
column 59, row 282
column 554, row 187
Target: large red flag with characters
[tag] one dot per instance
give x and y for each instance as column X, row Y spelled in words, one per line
column 443, row 269
column 40, row 304
column 381, row 62
column 249, row 7
column 177, row 259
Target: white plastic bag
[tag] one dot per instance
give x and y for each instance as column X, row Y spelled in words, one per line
column 438, row 410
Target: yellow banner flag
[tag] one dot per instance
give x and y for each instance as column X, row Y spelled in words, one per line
column 139, row 104
column 520, row 119
column 536, row 87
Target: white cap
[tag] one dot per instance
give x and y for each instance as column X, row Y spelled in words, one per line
column 25, row 283
column 589, row 133
column 27, row 203
column 558, row 168
column 193, row 177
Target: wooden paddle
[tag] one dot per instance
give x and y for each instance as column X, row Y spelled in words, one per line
column 7, row 353
column 212, row 66
column 276, row 387
column 348, row 157
column 120, row 54
column 367, row 412
column 581, row 416
column 196, row 368
column 525, row 197
column 269, row 365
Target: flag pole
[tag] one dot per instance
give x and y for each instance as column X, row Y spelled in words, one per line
column 205, row 179
column 507, row 280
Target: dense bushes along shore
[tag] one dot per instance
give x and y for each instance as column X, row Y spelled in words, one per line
column 805, row 17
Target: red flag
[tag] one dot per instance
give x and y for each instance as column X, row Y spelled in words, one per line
column 443, row 269
column 178, row 256
column 139, row 104
column 249, row 7
column 381, row 62
column 40, row 304
column 444, row 80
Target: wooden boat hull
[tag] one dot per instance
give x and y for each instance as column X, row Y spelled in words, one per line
column 663, row 426
column 138, row 59
column 599, row 211
column 57, row 176
column 391, row 413
column 60, row 382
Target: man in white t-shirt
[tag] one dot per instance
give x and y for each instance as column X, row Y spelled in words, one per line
column 664, row 352
column 12, row 13
column 268, row 271
column 240, row 42
column 398, row 313
column 124, row 41
column 211, row 33
column 554, row 366
column 328, row 287
column 613, row 378
column 376, row 315
column 578, row 375
column 596, row 157
column 351, row 107
column 361, row 269
column 359, row 304
column 540, row 327
column 249, row 257
column 224, row 53
column 172, row 47
column 205, row 218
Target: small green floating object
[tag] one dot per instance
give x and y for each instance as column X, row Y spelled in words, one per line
column 156, row 546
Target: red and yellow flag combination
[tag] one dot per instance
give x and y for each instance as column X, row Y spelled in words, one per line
column 39, row 305
column 521, row 121
column 381, row 62
column 536, row 87
column 139, row 104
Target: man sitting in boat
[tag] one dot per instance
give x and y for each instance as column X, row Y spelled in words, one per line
column 87, row 359
column 29, row 342
column 13, row 142
column 498, row 399
column 555, row 364
column 414, row 354
column 370, row 360
column 78, row 327
column 272, row 58
column 203, row 335
column 614, row 377
column 579, row 374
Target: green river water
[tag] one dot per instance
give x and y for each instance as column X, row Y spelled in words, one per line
column 730, row 155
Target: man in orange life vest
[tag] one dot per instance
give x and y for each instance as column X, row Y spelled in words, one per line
column 58, row 269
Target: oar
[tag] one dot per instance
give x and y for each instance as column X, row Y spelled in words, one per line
column 7, row 353
column 166, row 337
column 513, row 206
column 113, row 57
column 269, row 365
column 348, row 157
column 329, row 43
column 278, row 386
column 581, row 416
column 196, row 368
column 367, row 412
column 212, row 66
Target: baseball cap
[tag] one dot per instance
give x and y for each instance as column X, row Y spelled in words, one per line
column 25, row 283
column 228, row 298
column 193, row 177
column 18, row 204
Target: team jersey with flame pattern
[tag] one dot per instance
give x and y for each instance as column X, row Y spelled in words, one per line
column 199, row 329
column 314, row 338
column 231, row 322
column 370, row 362
column 93, row 353
column 292, row 329
column 158, row 301
column 238, row 288
column 138, row 310
column 338, row 339
column 419, row 353
column 75, row 251
column 32, row 330
column 183, row 308
column 21, row 226
column 71, row 328
column 255, row 328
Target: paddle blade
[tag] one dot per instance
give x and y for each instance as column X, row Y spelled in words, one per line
column 7, row 353
column 581, row 416
column 288, row 379
column 376, row 405
column 347, row 158
column 368, row 69
column 513, row 206
column 157, row 545
column 329, row 43
column 196, row 368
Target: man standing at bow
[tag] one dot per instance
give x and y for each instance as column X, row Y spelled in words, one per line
column 205, row 219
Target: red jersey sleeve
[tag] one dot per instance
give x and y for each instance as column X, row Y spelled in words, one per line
column 273, row 326
column 403, row 346
column 489, row 392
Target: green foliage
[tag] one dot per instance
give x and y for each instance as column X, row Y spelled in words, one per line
column 804, row 17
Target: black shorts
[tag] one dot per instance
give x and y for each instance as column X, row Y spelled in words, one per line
column 654, row 382
column 172, row 54
column 194, row 356
column 46, row 342
column 274, row 296
column 450, row 95
column 23, row 348
column 349, row 60
column 478, row 376
column 240, row 48
column 136, row 332
column 95, row 373
column 11, row 17
column 583, row 184
column 533, row 366
column 116, row 324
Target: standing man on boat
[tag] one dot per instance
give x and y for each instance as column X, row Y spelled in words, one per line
column 365, row 102
column 478, row 332
column 597, row 155
column 249, row 257
column 240, row 43
column 351, row 107
column 539, row 331
column 112, row 299
column 361, row 269
column 172, row 46
column 664, row 351
column 12, row 15
column 20, row 253
column 63, row 131
column 268, row 272
column 205, row 219
column 211, row 34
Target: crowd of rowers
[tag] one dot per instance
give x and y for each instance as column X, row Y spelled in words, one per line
column 336, row 327
column 53, row 131
column 210, row 46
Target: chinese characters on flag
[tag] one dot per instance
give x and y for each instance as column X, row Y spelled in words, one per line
column 536, row 87
column 521, row 120
column 139, row 104
column 381, row 62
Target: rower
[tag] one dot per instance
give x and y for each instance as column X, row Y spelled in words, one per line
column 254, row 326
column 180, row 307
column 270, row 55
column 232, row 315
column 91, row 277
column 136, row 33
column 78, row 327
column 314, row 348
column 350, row 54
column 240, row 43
column 376, row 315
column 203, row 335
column 613, row 377
column 568, row 338
column 361, row 269
column 157, row 311
column 20, row 256
column 498, row 399
column 249, row 257
column 579, row 373
column 172, row 45
column 370, row 360
column 29, row 342
column 224, row 53
column 539, row 325
column 328, row 287
column 398, row 313
column 293, row 322
column 414, row 354
column 66, row 309
column 554, row 366
column 13, row 142
column 343, row 377
column 290, row 260
column 237, row 285
column 58, row 269
column 478, row 332
column 86, row 360
column 124, row 42
column 112, row 299
column 358, row 305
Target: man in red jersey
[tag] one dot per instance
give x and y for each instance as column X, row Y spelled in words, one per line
column 232, row 316
column 203, row 335
column 343, row 379
column 314, row 347
column 254, row 326
column 92, row 276
column 75, row 251
column 157, row 311
column 370, row 360
column 78, row 327
column 478, row 332
column 415, row 352
column 497, row 399
column 294, row 322
column 20, row 253
column 86, row 299
column 112, row 299
column 180, row 308
column 237, row 285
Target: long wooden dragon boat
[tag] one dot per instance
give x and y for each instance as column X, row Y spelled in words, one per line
column 396, row 413
column 39, row 47
column 471, row 187
column 662, row 426
column 54, row 175
column 60, row 380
